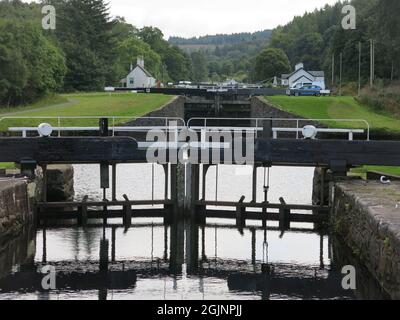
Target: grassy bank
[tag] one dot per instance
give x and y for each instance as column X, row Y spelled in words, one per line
column 340, row 108
column 84, row 104
column 388, row 170
column 336, row 108
column 7, row 165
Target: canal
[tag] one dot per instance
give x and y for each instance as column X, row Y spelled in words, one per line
column 181, row 261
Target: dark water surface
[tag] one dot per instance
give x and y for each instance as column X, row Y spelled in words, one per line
column 153, row 261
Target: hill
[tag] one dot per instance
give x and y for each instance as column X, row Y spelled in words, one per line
column 223, row 55
column 222, row 39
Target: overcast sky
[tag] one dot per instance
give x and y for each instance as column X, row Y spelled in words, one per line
column 188, row 18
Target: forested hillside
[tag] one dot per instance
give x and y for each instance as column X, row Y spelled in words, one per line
column 222, row 39
column 88, row 50
column 225, row 56
column 315, row 37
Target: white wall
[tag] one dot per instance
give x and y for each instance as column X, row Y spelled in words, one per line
column 138, row 79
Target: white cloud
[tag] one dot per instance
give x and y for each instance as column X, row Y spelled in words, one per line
column 194, row 18
column 189, row 18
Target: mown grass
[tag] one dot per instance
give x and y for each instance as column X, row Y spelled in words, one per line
column 340, row 108
column 50, row 100
column 336, row 108
column 7, row 165
column 127, row 105
column 362, row 171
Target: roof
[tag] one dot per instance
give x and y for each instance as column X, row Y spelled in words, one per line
column 317, row 73
column 148, row 74
column 311, row 73
column 303, row 76
column 145, row 71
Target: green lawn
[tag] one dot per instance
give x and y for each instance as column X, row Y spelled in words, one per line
column 362, row 171
column 335, row 108
column 340, row 108
column 128, row 105
column 7, row 165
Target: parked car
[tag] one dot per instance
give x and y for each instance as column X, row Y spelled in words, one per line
column 308, row 90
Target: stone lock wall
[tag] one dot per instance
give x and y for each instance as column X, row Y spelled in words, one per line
column 366, row 216
column 60, row 183
column 15, row 206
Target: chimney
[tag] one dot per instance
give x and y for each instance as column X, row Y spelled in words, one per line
column 299, row 66
column 140, row 62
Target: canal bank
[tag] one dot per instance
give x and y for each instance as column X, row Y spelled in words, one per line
column 17, row 198
column 19, row 195
column 366, row 216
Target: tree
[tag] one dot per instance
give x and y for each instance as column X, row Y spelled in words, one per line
column 129, row 49
column 199, row 67
column 84, row 30
column 178, row 64
column 30, row 65
column 271, row 62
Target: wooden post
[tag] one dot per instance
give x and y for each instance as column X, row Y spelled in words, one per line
column 201, row 212
column 322, row 186
column 241, row 213
column 113, row 229
column 267, row 129
column 254, row 184
column 253, row 246
column 104, row 176
column 44, row 188
column 204, row 180
column 192, row 248
column 82, row 212
column 192, row 188
column 114, row 182
column 284, row 216
column 127, row 213
column 104, row 244
column 166, row 175
column 103, row 127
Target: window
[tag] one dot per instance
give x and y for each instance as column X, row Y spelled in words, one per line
column 131, row 80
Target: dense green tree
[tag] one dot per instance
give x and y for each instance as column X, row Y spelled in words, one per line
column 199, row 67
column 129, row 49
column 30, row 65
column 84, row 31
column 177, row 62
column 271, row 62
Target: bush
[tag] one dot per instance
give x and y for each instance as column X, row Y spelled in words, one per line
column 382, row 98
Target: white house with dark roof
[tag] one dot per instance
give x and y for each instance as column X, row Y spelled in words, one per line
column 303, row 77
column 139, row 77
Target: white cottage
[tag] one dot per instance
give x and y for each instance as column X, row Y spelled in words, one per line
column 302, row 77
column 139, row 77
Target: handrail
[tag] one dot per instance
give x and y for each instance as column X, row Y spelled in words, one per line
column 165, row 120
column 295, row 120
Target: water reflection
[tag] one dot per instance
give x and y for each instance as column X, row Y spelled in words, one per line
column 183, row 261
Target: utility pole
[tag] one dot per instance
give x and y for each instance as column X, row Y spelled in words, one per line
column 333, row 70
column 372, row 61
column 359, row 68
column 392, row 72
column 340, row 76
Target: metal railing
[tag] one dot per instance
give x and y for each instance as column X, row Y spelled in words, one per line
column 117, row 124
column 257, row 125
column 145, row 124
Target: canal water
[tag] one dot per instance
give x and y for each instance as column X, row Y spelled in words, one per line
column 153, row 261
